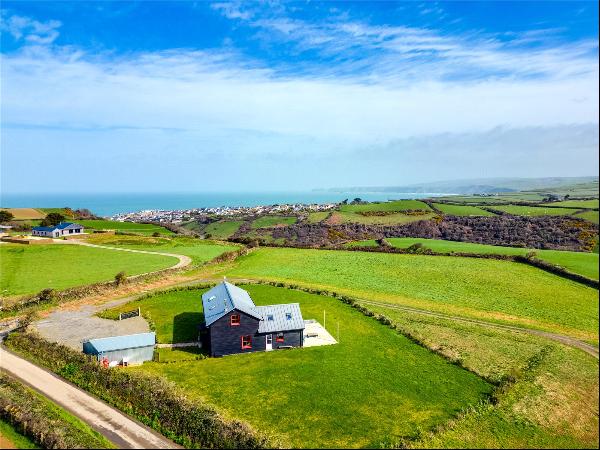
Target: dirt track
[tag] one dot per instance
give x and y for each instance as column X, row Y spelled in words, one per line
column 114, row 425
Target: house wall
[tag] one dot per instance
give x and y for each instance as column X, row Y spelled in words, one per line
column 227, row 340
column 290, row 338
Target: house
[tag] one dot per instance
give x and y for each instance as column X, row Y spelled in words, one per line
column 236, row 325
column 62, row 229
column 125, row 350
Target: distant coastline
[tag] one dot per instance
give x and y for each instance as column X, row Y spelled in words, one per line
column 109, row 204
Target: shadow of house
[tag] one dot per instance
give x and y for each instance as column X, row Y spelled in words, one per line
column 185, row 327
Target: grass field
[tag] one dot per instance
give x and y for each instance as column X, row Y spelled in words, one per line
column 398, row 205
column 517, row 210
column 273, row 221
column 222, row 230
column 11, row 438
column 199, row 250
column 339, row 217
column 592, row 216
column 130, row 227
column 315, row 217
column 371, row 389
column 29, row 269
column 486, row 289
column 578, row 203
column 585, row 264
column 25, row 213
column 462, row 210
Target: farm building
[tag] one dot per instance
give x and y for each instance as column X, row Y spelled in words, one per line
column 62, row 229
column 236, row 325
column 129, row 349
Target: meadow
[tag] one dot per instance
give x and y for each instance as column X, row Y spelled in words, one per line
column 388, row 219
column 585, row 264
column 315, row 217
column 222, row 230
column 375, row 387
column 397, row 205
column 272, row 221
column 493, row 290
column 532, row 211
column 578, row 203
column 29, row 269
column 130, row 227
column 462, row 210
column 25, row 213
column 199, row 250
column 592, row 216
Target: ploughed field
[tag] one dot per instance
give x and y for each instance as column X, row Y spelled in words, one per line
column 373, row 388
column 582, row 263
column 499, row 291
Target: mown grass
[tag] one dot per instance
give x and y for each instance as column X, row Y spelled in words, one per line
column 578, row 203
column 25, row 213
column 462, row 210
column 373, row 388
column 553, row 402
column 582, row 263
column 272, row 221
column 398, row 205
column 532, row 211
column 130, row 227
column 389, row 219
column 199, row 250
column 29, row 269
column 11, row 438
column 222, row 230
column 481, row 288
column 592, row 216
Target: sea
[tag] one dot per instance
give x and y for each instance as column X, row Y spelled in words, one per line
column 109, row 204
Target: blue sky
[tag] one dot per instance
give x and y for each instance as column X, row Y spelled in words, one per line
column 213, row 96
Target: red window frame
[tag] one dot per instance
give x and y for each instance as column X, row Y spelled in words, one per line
column 280, row 337
column 234, row 320
column 248, row 343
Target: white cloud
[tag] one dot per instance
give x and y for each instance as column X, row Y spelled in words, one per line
column 30, row 30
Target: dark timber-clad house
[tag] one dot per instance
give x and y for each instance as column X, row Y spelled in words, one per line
column 236, row 325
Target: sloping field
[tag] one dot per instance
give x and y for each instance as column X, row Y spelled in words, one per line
column 131, row 227
column 462, row 210
column 339, row 217
column 398, row 205
column 517, row 210
column 585, row 264
column 222, row 230
column 29, row 269
column 578, row 203
column 373, row 388
column 273, row 221
column 25, row 213
column 487, row 289
column 592, row 216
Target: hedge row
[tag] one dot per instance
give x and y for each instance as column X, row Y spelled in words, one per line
column 40, row 420
column 152, row 400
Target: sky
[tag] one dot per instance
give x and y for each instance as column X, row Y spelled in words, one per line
column 151, row 96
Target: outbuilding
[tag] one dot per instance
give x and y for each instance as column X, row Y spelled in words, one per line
column 62, row 229
column 236, row 325
column 125, row 350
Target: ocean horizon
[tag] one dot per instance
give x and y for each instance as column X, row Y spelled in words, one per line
column 109, row 204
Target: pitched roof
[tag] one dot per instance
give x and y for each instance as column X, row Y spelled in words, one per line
column 44, row 228
column 224, row 298
column 60, row 226
column 282, row 317
column 121, row 342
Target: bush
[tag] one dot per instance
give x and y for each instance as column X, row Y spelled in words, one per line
column 120, row 278
column 156, row 234
column 152, row 400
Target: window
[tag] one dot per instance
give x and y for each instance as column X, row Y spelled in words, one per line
column 235, row 320
column 279, row 337
column 246, row 342
column 270, row 317
column 288, row 316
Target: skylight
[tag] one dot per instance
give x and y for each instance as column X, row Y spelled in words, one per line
column 288, row 316
column 270, row 317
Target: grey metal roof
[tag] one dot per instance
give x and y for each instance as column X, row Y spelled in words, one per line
column 282, row 317
column 224, row 298
column 122, row 342
column 66, row 225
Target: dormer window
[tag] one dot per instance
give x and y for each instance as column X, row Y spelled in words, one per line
column 234, row 320
column 288, row 316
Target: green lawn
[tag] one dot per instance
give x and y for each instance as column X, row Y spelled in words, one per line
column 199, row 250
column 28, row 269
column 315, row 217
column 130, row 227
column 175, row 314
column 371, row 389
column 11, row 438
column 488, row 289
column 272, row 221
column 462, row 210
column 398, row 205
column 592, row 216
column 517, row 210
column 585, row 264
column 578, row 203
column 389, row 219
column 222, row 230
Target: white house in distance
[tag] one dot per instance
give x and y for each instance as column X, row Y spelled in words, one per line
column 62, row 229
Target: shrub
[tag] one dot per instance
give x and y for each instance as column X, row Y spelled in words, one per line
column 156, row 234
column 47, row 295
column 120, row 278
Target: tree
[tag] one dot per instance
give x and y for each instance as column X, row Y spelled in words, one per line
column 6, row 216
column 52, row 219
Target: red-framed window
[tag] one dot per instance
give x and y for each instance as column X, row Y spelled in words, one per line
column 246, row 342
column 279, row 337
column 234, row 320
